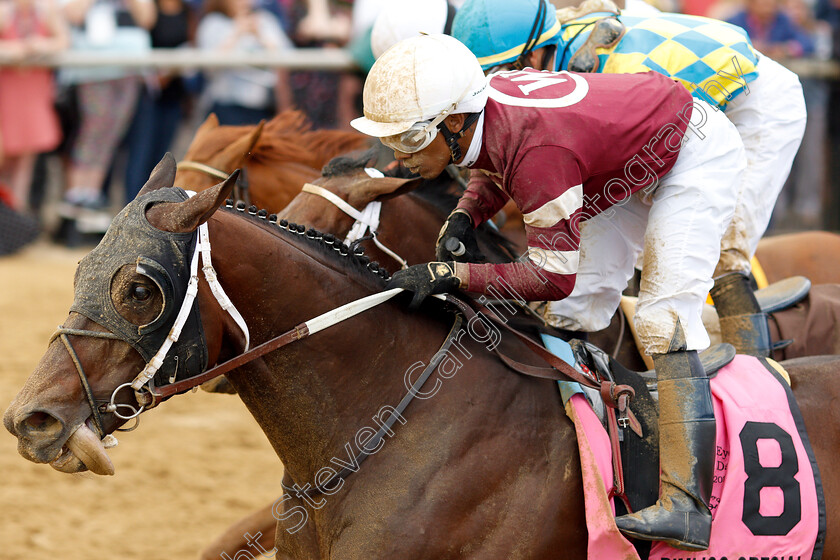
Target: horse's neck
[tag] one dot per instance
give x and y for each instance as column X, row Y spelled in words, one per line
column 309, row 396
column 277, row 185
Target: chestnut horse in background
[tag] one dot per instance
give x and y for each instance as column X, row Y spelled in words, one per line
column 487, row 436
column 277, row 157
column 813, row 254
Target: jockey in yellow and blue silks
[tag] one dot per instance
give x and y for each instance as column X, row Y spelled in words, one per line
column 713, row 59
column 716, row 62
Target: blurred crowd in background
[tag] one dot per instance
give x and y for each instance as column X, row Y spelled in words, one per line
column 97, row 132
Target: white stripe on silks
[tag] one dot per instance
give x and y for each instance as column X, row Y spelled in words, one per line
column 553, row 211
column 556, row 262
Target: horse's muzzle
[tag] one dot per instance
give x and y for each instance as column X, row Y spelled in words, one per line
column 40, row 434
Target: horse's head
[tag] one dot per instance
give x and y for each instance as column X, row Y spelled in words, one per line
column 278, row 157
column 215, row 152
column 347, row 178
column 128, row 294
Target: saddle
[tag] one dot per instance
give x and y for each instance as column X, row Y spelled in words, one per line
column 639, row 454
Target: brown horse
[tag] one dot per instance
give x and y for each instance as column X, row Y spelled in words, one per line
column 815, row 254
column 278, row 156
column 484, row 467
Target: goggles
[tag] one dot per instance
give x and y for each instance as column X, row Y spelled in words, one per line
column 419, row 136
column 416, row 138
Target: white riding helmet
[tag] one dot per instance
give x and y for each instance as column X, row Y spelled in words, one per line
column 403, row 19
column 424, row 78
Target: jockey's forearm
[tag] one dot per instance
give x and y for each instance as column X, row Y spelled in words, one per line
column 519, row 280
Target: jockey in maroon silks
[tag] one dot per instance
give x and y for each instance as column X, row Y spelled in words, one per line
column 567, row 147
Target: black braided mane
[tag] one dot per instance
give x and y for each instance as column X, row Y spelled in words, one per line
column 350, row 260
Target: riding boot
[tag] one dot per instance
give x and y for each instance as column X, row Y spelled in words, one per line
column 742, row 323
column 681, row 517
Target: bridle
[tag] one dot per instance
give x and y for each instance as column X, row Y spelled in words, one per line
column 147, row 395
column 145, row 377
column 367, row 220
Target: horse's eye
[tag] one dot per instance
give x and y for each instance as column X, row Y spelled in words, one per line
column 140, row 292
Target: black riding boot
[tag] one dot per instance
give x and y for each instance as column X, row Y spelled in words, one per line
column 681, row 517
column 742, row 324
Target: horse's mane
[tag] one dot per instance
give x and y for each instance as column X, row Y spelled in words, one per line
column 350, row 260
column 347, row 164
column 438, row 192
column 289, row 138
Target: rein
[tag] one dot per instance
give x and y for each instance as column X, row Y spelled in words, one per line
column 299, row 332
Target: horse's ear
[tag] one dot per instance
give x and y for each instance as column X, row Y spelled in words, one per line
column 211, row 122
column 184, row 217
column 234, row 155
column 163, row 175
column 380, row 189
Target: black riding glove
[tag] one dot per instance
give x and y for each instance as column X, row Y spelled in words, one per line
column 456, row 240
column 425, row 280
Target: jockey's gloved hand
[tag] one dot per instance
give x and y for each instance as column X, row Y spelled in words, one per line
column 458, row 227
column 425, row 280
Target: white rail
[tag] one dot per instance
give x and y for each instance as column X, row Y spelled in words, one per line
column 293, row 59
column 335, row 59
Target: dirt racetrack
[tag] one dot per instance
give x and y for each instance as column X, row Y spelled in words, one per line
column 195, row 465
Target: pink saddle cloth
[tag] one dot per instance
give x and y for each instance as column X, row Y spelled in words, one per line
column 767, row 500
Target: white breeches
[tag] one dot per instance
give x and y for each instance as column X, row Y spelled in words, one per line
column 770, row 117
column 679, row 225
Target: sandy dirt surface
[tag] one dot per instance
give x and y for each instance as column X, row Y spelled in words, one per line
column 195, row 465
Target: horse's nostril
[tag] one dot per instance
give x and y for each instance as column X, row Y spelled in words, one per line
column 40, row 423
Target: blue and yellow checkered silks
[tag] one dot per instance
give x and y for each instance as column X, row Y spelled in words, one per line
column 714, row 60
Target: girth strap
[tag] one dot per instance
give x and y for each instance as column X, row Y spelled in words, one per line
column 616, row 397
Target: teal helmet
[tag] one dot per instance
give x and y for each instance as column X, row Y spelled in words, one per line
column 505, row 31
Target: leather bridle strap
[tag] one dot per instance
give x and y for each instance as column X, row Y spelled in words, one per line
column 368, row 219
column 196, row 166
column 371, row 445
column 241, row 186
column 62, row 332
